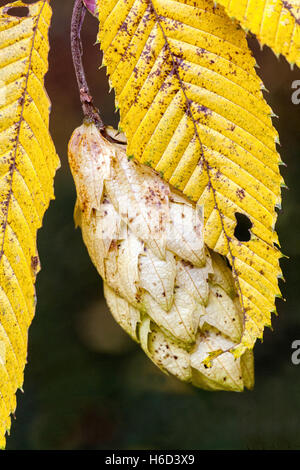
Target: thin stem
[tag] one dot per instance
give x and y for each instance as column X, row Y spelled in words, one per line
column 89, row 110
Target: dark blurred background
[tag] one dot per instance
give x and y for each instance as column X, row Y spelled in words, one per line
column 87, row 385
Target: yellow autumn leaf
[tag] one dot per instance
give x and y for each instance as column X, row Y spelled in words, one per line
column 28, row 162
column 294, row 7
column 192, row 108
column 274, row 22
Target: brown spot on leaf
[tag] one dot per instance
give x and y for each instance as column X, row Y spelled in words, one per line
column 35, row 263
column 240, row 193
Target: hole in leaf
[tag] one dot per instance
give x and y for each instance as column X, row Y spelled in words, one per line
column 243, row 226
column 20, row 12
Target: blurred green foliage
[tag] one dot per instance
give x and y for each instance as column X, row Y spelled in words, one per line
column 88, row 386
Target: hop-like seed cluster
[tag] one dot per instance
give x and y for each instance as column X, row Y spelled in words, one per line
column 169, row 292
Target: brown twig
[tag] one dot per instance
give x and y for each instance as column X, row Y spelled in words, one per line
column 89, row 110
